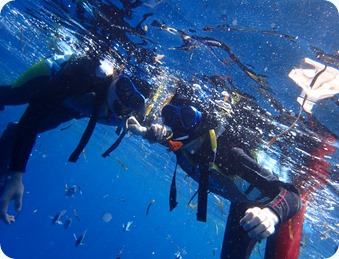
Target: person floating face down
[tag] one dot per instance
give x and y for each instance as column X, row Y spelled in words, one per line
column 56, row 92
column 259, row 201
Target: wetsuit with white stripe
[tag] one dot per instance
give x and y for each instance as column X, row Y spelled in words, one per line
column 237, row 177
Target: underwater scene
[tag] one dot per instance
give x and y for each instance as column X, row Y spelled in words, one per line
column 264, row 73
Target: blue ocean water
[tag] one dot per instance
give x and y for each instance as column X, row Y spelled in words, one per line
column 123, row 185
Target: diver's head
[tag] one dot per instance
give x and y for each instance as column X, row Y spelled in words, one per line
column 180, row 118
column 128, row 98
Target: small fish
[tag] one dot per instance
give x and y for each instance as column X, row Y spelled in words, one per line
column 68, row 222
column 128, row 226
column 121, row 251
column 178, row 255
column 158, row 58
column 65, row 128
column 57, row 218
column 78, row 240
column 70, row 191
column 76, row 215
column 216, row 228
column 219, row 203
column 122, row 164
column 193, row 206
column 189, row 202
column 149, row 206
column 84, row 155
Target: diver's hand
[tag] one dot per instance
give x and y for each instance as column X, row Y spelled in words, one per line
column 259, row 223
column 159, row 131
column 133, row 125
column 14, row 190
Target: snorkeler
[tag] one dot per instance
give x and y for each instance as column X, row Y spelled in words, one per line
column 59, row 89
column 206, row 152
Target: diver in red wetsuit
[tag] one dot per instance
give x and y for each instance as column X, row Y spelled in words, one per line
column 259, row 201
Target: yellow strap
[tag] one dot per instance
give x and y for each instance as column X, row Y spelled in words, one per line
column 149, row 108
column 214, row 145
column 213, row 139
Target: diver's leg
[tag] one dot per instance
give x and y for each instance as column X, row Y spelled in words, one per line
column 22, row 94
column 5, row 91
column 271, row 246
column 236, row 243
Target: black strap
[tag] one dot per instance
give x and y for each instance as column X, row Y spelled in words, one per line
column 84, row 139
column 195, row 194
column 88, row 131
column 173, row 192
column 119, row 130
column 114, row 145
column 102, row 85
column 202, row 194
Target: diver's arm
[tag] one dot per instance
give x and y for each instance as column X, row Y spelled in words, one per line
column 287, row 203
column 25, row 136
column 284, row 202
column 261, row 222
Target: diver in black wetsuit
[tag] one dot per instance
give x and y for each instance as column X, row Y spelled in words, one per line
column 206, row 152
column 59, row 89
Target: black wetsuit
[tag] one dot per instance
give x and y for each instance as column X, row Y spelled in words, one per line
column 46, row 99
column 241, row 180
